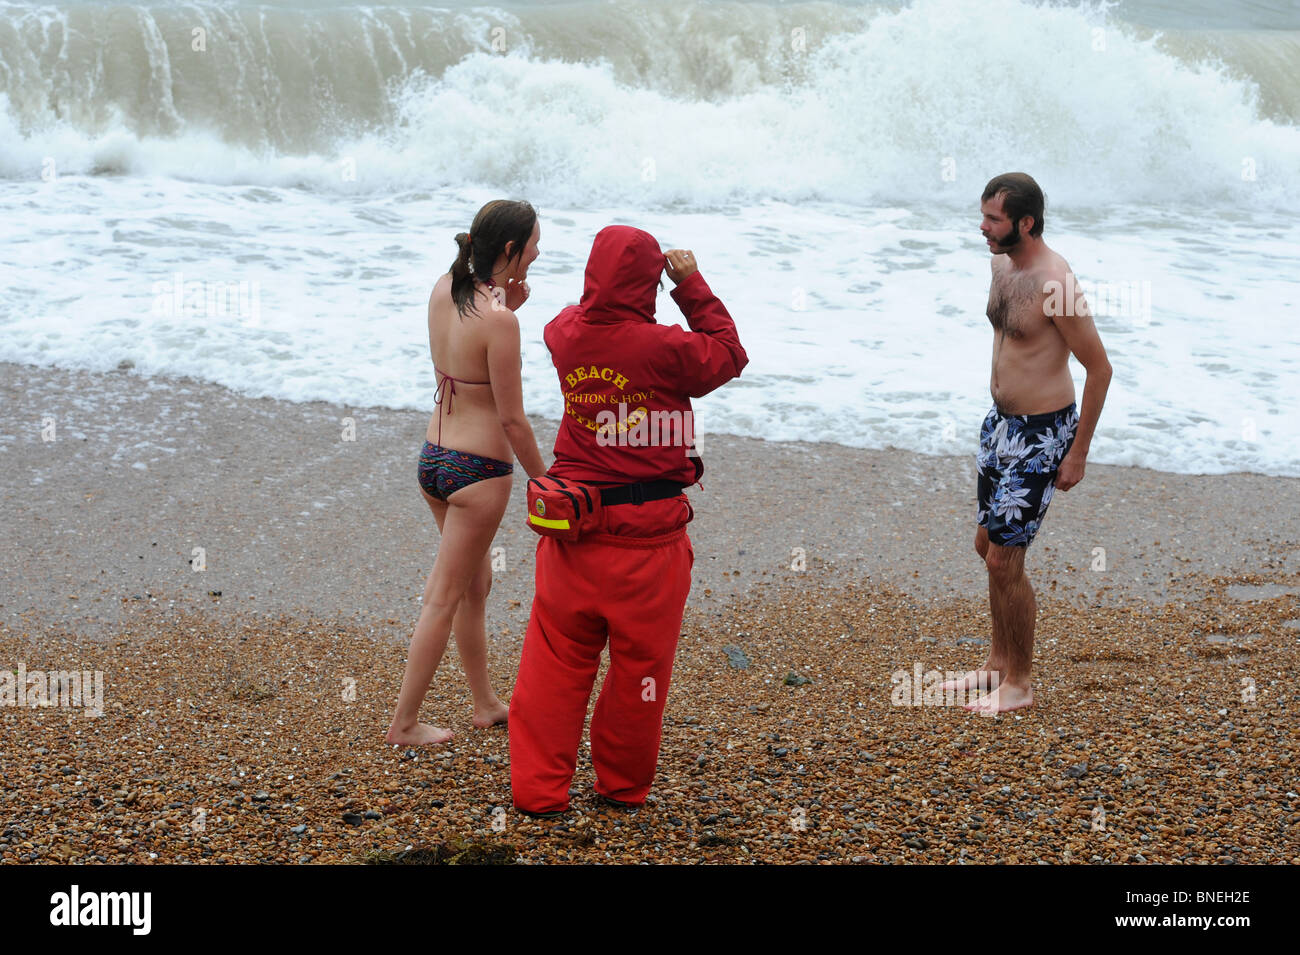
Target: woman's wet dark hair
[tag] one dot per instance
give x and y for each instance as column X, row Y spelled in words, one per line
column 497, row 223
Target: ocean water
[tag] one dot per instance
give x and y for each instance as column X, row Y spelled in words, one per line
column 262, row 194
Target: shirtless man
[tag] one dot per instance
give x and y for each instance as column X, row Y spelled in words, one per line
column 1034, row 439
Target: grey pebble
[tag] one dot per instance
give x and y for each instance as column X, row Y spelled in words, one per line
column 736, row 657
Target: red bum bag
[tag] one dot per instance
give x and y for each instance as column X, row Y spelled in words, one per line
column 560, row 508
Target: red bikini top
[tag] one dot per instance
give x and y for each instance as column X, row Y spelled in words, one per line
column 442, row 385
column 450, row 393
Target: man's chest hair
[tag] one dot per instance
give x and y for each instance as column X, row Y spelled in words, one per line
column 1015, row 303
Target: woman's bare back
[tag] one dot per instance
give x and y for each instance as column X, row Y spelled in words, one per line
column 459, row 347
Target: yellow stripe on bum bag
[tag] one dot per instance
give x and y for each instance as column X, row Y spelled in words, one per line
column 544, row 522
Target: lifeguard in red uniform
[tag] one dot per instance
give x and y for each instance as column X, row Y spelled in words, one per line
column 628, row 429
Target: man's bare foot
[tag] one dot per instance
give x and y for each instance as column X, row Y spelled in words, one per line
column 421, row 734
column 1005, row 698
column 491, row 716
column 985, row 678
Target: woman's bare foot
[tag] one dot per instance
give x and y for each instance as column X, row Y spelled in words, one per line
column 421, row 734
column 491, row 715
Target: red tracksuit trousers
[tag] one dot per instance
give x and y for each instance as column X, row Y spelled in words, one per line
column 631, row 592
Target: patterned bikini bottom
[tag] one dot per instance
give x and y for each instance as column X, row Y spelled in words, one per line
column 444, row 471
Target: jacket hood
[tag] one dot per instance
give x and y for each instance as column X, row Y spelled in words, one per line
column 622, row 276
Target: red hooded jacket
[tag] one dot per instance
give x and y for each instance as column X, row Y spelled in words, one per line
column 627, row 380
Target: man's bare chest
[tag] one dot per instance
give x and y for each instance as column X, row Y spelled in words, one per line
column 1015, row 306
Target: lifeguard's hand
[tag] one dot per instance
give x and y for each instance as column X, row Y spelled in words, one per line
column 681, row 264
column 517, row 293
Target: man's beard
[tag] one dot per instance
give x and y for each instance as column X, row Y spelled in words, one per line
column 1012, row 238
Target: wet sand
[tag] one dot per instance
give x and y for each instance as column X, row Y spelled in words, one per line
column 227, row 724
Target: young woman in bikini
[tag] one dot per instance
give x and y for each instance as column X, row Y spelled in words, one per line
column 465, row 467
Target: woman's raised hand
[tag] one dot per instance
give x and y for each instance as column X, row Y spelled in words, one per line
column 517, row 293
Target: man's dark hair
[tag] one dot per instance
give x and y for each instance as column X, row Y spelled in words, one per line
column 498, row 222
column 1021, row 197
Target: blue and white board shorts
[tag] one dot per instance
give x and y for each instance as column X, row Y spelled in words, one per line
column 1018, row 459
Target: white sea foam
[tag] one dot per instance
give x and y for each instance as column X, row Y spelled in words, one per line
column 877, row 113
column 831, row 201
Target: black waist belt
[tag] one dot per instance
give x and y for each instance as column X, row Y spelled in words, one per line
column 644, row 491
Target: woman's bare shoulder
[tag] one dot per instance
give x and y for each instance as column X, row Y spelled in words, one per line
column 501, row 320
column 440, row 297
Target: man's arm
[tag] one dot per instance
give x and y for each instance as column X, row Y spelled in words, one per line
column 1080, row 334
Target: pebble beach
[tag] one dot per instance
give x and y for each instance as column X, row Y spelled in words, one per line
column 245, row 581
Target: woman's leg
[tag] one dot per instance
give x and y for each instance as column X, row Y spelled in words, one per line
column 470, row 521
column 469, row 626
